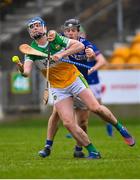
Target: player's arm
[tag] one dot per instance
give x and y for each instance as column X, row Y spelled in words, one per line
column 100, row 61
column 90, row 54
column 15, row 59
column 72, row 46
column 93, row 53
column 20, row 67
column 27, row 68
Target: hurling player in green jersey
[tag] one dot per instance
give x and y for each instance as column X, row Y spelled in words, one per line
column 65, row 79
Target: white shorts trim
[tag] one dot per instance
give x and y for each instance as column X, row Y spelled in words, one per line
column 96, row 89
column 73, row 90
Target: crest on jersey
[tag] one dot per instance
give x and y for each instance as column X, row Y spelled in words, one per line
column 57, row 46
column 54, row 97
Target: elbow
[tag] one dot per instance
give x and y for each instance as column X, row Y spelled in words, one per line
column 104, row 62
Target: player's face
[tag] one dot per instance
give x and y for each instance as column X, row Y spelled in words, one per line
column 71, row 33
column 36, row 28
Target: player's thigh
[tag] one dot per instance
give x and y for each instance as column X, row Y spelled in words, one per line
column 89, row 99
column 65, row 109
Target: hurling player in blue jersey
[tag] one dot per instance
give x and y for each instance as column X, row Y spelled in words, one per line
column 91, row 76
column 71, row 30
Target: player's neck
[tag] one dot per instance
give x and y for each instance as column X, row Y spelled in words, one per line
column 42, row 41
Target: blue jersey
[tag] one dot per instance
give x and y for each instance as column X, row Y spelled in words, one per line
column 93, row 78
column 81, row 56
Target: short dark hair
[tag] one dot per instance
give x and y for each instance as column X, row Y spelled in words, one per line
column 72, row 23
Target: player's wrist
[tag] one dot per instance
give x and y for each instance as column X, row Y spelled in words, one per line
column 20, row 68
column 24, row 74
column 92, row 69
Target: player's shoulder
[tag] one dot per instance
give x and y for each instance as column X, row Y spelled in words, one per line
column 85, row 41
column 82, row 39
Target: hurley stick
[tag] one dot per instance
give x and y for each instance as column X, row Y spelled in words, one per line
column 46, row 91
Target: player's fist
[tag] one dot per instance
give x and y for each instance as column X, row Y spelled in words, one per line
column 51, row 35
column 16, row 60
column 90, row 53
column 56, row 57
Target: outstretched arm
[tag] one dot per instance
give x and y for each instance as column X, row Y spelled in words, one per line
column 27, row 67
column 74, row 47
column 101, row 61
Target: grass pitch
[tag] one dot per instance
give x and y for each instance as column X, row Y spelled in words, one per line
column 20, row 142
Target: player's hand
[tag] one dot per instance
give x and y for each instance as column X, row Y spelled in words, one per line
column 56, row 57
column 51, row 35
column 91, row 70
column 46, row 96
column 90, row 53
column 20, row 67
column 15, row 59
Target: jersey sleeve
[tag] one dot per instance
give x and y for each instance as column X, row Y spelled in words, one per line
column 96, row 50
column 28, row 58
column 62, row 40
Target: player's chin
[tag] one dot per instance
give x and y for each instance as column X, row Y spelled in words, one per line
column 36, row 33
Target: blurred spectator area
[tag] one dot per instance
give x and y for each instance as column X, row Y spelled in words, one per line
column 98, row 17
column 9, row 6
column 125, row 56
column 4, row 8
column 13, row 30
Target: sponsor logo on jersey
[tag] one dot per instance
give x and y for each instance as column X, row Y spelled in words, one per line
column 57, row 46
column 79, row 57
column 54, row 97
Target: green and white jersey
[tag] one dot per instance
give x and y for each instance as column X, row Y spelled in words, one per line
column 60, row 43
column 61, row 74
